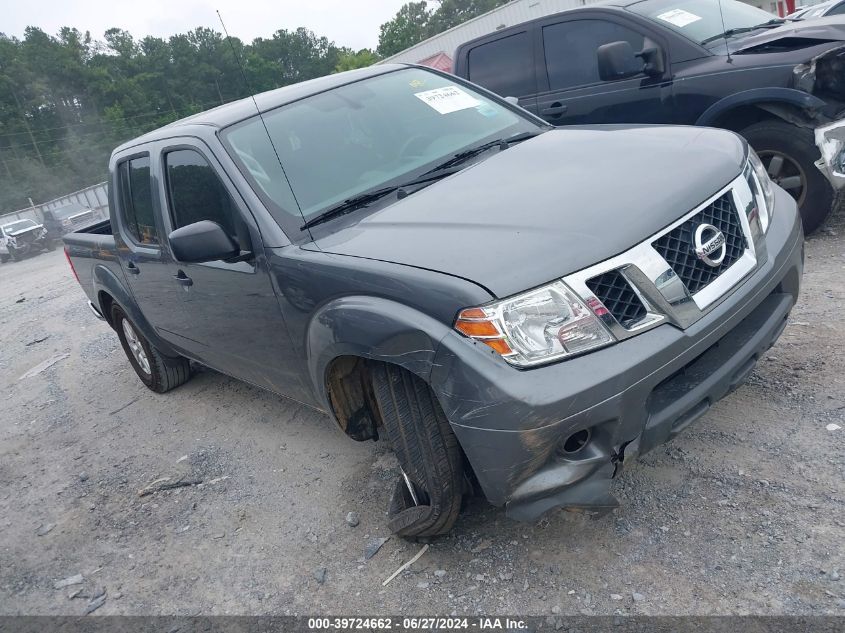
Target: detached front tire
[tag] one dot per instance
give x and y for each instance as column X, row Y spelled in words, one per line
column 427, row 498
column 158, row 372
column 789, row 154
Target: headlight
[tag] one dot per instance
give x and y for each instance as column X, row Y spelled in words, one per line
column 761, row 185
column 538, row 326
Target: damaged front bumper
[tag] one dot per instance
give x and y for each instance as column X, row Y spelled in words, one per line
column 830, row 140
column 556, row 436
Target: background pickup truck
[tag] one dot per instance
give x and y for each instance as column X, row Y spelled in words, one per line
column 725, row 64
column 516, row 308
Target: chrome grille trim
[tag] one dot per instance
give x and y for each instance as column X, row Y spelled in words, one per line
column 664, row 295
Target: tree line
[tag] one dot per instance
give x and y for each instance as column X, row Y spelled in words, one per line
column 66, row 100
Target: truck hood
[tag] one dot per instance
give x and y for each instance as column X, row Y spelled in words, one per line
column 34, row 230
column 812, row 32
column 549, row 206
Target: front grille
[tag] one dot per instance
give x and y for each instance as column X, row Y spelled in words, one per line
column 614, row 291
column 82, row 218
column 676, row 247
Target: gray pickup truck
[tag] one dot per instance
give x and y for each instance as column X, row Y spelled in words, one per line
column 515, row 308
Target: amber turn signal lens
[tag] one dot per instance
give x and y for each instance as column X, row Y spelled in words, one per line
column 477, row 328
column 498, row 344
column 472, row 313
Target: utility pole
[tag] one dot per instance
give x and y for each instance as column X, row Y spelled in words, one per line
column 219, row 94
column 28, row 129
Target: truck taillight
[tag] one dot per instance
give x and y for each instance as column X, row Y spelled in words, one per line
column 70, row 263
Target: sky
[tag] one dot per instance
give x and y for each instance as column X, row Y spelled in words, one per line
column 352, row 24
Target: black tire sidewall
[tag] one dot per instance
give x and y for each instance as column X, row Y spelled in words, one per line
column 436, row 464
column 118, row 316
column 798, row 144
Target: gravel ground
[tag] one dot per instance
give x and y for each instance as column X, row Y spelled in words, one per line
column 741, row 514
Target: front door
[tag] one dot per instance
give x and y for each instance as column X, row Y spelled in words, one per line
column 504, row 66
column 233, row 320
column 574, row 93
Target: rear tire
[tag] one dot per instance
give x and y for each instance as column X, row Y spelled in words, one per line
column 785, row 148
column 3, row 259
column 428, row 453
column 158, row 372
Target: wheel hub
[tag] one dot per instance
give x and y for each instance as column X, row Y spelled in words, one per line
column 135, row 346
column 786, row 173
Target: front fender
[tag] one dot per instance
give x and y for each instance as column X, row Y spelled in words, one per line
column 790, row 96
column 374, row 328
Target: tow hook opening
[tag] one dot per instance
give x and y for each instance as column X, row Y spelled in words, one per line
column 576, row 442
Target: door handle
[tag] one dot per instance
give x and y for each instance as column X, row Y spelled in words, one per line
column 555, row 110
column 183, row 279
column 132, row 269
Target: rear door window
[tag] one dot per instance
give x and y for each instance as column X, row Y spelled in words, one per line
column 137, row 214
column 571, row 50
column 505, row 66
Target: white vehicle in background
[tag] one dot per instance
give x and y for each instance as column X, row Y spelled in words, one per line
column 831, row 7
column 22, row 237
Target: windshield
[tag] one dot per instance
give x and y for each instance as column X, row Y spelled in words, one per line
column 361, row 136
column 20, row 225
column 701, row 20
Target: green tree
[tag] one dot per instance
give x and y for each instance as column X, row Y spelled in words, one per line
column 67, row 100
column 409, row 26
column 350, row 61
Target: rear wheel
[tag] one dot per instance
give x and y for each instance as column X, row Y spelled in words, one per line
column 4, row 258
column 158, row 372
column 789, row 154
column 427, row 497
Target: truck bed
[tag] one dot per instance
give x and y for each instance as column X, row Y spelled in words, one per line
column 90, row 248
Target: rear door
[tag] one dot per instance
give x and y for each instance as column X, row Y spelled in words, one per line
column 147, row 265
column 234, row 322
column 571, row 91
column 504, row 64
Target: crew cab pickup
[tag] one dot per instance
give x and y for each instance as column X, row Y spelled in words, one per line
column 780, row 84
column 516, row 308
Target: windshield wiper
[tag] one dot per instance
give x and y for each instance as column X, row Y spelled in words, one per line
column 744, row 29
column 462, row 157
column 439, row 171
column 366, row 198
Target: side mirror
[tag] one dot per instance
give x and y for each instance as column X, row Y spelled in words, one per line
column 512, row 100
column 203, row 241
column 617, row 60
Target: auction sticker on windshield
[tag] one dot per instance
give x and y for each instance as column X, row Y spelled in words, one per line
column 679, row 17
column 448, row 99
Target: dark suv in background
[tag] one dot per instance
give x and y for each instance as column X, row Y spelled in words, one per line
column 682, row 61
